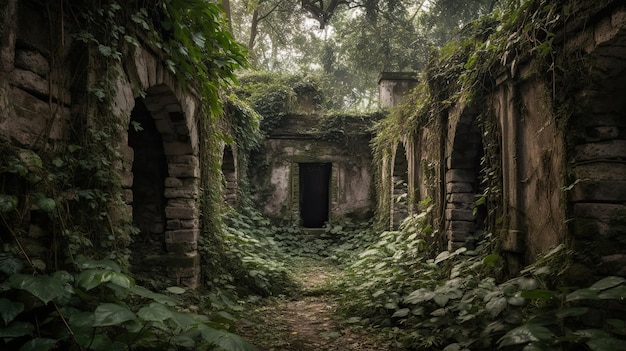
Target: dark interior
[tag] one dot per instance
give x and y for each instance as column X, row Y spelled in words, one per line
column 314, row 194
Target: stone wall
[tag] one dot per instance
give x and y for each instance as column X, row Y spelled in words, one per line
column 563, row 179
column 45, row 101
column 302, row 139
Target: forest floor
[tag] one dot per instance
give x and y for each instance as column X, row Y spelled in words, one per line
column 308, row 320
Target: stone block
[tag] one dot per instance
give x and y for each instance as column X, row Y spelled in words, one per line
column 173, row 108
column 459, row 215
column 462, row 198
column 190, row 282
column 613, row 149
column 190, row 223
column 455, row 245
column 595, row 134
column 32, row 61
column 600, row 171
column 32, row 117
column 180, row 212
column 164, row 126
column 604, row 212
column 459, row 188
column 181, row 248
column 599, row 191
column 173, row 224
column 460, row 176
column 177, row 148
column 182, row 203
column 456, row 235
column 172, row 182
column 128, row 196
column 191, row 160
column 617, row 262
column 186, row 193
column 33, row 83
column 183, row 170
column 182, row 235
column 462, row 226
column 126, row 179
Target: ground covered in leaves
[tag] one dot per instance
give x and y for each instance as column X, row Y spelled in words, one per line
column 307, row 320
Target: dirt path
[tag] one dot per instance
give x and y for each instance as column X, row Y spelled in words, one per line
column 307, row 322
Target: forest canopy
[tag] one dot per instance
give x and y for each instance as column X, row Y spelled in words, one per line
column 348, row 41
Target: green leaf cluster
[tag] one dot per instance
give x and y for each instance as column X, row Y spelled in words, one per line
column 100, row 308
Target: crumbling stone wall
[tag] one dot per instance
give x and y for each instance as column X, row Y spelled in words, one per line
column 45, row 101
column 561, row 174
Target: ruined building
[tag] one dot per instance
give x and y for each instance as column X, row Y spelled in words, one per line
column 540, row 135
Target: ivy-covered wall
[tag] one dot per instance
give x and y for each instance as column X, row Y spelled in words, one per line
column 106, row 141
column 516, row 130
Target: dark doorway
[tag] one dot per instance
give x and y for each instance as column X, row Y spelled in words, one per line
column 314, row 194
column 149, row 173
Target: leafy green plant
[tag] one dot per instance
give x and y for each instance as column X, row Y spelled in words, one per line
column 99, row 308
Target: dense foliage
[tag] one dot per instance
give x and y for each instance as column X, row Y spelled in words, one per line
column 64, row 230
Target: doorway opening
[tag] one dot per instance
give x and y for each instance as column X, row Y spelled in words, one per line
column 314, row 193
column 149, row 172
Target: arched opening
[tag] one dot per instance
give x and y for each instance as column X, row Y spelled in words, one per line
column 400, row 180
column 163, row 188
column 314, row 184
column 149, row 172
column 464, row 218
column 229, row 170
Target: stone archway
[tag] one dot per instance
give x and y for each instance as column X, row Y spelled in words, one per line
column 463, row 186
column 165, row 187
column 400, row 187
column 229, row 171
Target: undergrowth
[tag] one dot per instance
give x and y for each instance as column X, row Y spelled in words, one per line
column 456, row 301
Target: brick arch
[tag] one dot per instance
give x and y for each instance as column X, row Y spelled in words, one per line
column 167, row 184
column 463, row 185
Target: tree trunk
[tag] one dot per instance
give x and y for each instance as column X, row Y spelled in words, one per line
column 226, row 7
column 254, row 29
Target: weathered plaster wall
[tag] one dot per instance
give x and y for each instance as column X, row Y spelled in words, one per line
column 300, row 139
column 562, row 176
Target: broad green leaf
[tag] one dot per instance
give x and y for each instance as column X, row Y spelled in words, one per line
column 86, row 263
column 401, row 313
column 571, row 312
column 225, row 340
column 46, row 204
column 516, row 300
column 45, row 288
column 606, row 343
column 616, row 293
column 17, row 329
column 525, row 334
column 490, row 260
column 164, row 299
column 441, row 299
column 582, row 294
column 10, row 309
column 538, row 294
column 496, row 305
column 7, row 203
column 176, row 290
column 607, row 283
column 538, row 346
column 155, row 312
column 419, row 296
column 39, row 344
column 91, row 278
column 444, row 255
column 112, row 314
